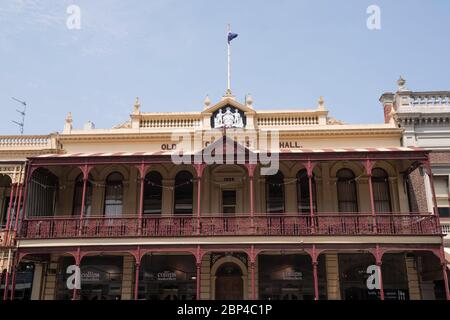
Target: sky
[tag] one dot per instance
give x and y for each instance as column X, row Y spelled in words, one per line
column 172, row 53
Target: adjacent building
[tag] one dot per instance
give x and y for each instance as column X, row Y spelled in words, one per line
column 425, row 118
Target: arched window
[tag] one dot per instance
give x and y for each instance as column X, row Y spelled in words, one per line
column 303, row 203
column 381, row 191
column 78, row 196
column 275, row 193
column 114, row 195
column 346, row 189
column 183, row 193
column 5, row 184
column 153, row 193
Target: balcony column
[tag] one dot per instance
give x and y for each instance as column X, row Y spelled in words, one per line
column 379, row 262
column 85, row 170
column 136, row 281
column 251, row 171
column 14, row 278
column 77, row 263
column 444, row 273
column 8, row 215
column 198, row 265
column 17, row 211
column 137, row 258
column 433, row 191
column 309, row 170
column 5, row 291
column 199, row 169
column 21, row 215
column 368, row 164
column 315, row 273
column 252, row 261
column 142, row 172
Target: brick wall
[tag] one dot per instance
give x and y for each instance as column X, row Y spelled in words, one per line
column 417, row 195
column 440, row 157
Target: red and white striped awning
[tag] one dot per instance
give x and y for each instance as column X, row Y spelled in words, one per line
column 168, row 153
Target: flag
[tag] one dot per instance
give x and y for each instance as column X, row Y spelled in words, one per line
column 231, row 36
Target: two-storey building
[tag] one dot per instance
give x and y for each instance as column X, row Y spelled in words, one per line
column 228, row 202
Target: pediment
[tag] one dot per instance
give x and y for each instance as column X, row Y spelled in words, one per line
column 230, row 102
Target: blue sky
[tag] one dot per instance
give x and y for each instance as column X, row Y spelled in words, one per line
column 171, row 53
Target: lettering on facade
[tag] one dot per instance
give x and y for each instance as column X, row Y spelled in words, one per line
column 290, row 145
column 167, row 146
column 90, row 276
column 166, row 275
column 292, row 275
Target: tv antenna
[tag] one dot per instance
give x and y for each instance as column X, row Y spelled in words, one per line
column 21, row 124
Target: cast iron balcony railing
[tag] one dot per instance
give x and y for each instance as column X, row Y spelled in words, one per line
column 323, row 224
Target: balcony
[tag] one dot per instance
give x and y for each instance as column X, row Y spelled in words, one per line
column 323, row 224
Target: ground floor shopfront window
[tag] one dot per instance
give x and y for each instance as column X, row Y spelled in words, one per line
column 101, row 278
column 354, row 277
column 167, row 277
column 24, row 282
column 289, row 277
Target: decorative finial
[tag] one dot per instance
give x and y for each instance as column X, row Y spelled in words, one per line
column 137, row 106
column 321, row 105
column 401, row 83
column 69, row 118
column 207, row 102
column 68, row 123
column 228, row 94
column 249, row 100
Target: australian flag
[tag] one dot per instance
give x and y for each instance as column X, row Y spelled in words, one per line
column 231, row 36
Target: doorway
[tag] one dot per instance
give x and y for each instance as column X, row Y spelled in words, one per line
column 229, row 283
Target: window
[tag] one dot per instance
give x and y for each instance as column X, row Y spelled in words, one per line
column 346, row 190
column 114, row 195
column 275, row 193
column 229, row 201
column 153, row 193
column 442, row 195
column 441, row 185
column 381, row 191
column 303, row 192
column 184, row 192
column 78, row 196
column 444, row 212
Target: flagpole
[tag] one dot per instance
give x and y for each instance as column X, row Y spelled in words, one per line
column 229, row 61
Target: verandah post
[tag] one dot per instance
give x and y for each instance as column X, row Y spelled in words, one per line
column 251, row 172
column 199, row 169
column 85, row 169
column 369, row 165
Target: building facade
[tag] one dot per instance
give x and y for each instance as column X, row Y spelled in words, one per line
column 425, row 118
column 228, row 202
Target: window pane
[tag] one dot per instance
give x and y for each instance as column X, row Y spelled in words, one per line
column 381, row 191
column 346, row 188
column 183, row 193
column 441, row 185
column 114, row 195
column 78, row 196
column 303, row 200
column 275, row 193
column 444, row 212
column 153, row 193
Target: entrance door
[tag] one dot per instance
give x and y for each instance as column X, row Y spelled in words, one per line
column 229, row 284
